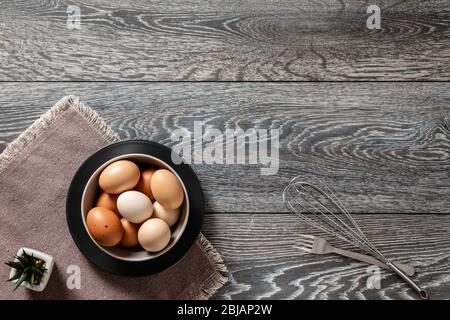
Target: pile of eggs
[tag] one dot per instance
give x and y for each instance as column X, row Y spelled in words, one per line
column 135, row 207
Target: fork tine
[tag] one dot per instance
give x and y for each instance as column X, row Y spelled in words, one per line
column 306, row 246
column 303, row 249
column 306, row 236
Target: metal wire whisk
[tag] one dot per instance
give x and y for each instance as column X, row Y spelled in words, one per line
column 317, row 205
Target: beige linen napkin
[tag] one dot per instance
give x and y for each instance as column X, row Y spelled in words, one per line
column 35, row 172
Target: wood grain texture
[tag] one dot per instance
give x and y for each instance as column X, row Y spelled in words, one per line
column 224, row 40
column 264, row 263
column 383, row 147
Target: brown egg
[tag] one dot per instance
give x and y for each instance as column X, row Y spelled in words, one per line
column 167, row 189
column 154, row 235
column 119, row 176
column 104, row 226
column 144, row 184
column 108, row 201
column 130, row 233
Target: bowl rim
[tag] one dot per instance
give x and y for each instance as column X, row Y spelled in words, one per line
column 123, row 267
column 167, row 167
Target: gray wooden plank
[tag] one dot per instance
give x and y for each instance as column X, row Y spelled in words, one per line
column 264, row 263
column 224, row 40
column 384, row 147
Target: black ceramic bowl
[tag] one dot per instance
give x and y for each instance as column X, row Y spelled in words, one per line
column 135, row 261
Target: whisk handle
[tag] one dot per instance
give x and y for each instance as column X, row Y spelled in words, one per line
column 407, row 269
column 422, row 293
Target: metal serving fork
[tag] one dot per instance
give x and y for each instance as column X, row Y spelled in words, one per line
column 317, row 245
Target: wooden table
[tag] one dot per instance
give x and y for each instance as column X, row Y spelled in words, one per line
column 383, row 146
column 224, row 40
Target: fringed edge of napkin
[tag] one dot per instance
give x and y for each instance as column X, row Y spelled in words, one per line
column 46, row 120
column 215, row 282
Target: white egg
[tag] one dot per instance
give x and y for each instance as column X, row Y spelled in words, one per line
column 154, row 235
column 170, row 216
column 135, row 206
